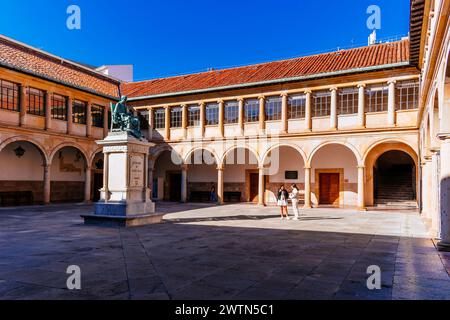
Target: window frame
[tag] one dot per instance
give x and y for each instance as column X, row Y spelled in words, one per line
column 300, row 108
column 193, row 117
column 321, row 99
column 231, row 108
column 376, row 98
column 176, row 117
column 98, row 122
column 59, row 111
column 36, row 99
column 273, row 108
column 251, row 110
column 412, row 98
column 350, row 97
column 212, row 114
column 159, row 118
column 79, row 118
column 8, row 99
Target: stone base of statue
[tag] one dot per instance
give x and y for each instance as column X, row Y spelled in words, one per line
column 125, row 196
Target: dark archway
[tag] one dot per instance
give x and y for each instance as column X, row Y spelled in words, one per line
column 394, row 175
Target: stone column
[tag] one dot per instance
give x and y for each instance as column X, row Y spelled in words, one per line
column 202, row 119
column 391, row 103
column 69, row 115
column 241, row 116
column 48, row 110
column 426, row 188
column 184, row 120
column 150, row 180
column 308, row 188
column 261, row 193
column 262, row 114
column 89, row 120
column 167, row 123
column 105, row 122
column 47, row 182
column 361, row 180
column 284, row 113
column 333, row 109
column 221, row 118
column 435, row 212
column 220, row 184
column 23, row 105
column 184, row 182
column 444, row 244
column 87, row 184
column 308, row 121
column 361, row 105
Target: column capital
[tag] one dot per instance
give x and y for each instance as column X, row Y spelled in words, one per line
column 240, row 99
column 392, row 81
column 307, row 91
column 361, row 167
column 202, row 104
column 220, row 101
column 262, row 97
column 361, row 85
column 184, row 167
column 307, row 168
column 284, row 94
column 220, row 167
column 334, row 88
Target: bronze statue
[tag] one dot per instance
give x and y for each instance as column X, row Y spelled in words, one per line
column 124, row 119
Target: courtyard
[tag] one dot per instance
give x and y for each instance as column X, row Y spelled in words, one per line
column 230, row 252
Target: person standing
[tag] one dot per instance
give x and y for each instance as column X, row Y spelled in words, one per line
column 294, row 199
column 213, row 195
column 282, row 201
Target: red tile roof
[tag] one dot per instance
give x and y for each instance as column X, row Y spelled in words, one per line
column 316, row 65
column 24, row 58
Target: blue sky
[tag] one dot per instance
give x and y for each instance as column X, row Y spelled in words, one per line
column 164, row 38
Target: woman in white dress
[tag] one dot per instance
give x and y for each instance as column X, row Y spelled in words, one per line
column 294, row 199
column 282, row 201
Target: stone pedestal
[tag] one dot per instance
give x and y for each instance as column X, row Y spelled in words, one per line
column 125, row 196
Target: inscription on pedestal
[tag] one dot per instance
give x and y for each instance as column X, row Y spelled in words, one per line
column 136, row 171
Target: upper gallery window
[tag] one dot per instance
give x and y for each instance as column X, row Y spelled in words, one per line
column 9, row 95
column 176, row 117
column 273, row 108
column 36, row 102
column 296, row 106
column 79, row 112
column 231, row 112
column 212, row 114
column 159, row 120
column 321, row 104
column 97, row 113
column 59, row 107
column 194, row 115
column 408, row 95
column 251, row 107
column 348, row 101
column 377, row 98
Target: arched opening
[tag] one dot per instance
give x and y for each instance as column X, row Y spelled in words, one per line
column 334, row 176
column 285, row 166
column 97, row 175
column 388, row 164
column 394, row 178
column 201, row 166
column 21, row 174
column 241, row 176
column 68, row 175
column 166, row 185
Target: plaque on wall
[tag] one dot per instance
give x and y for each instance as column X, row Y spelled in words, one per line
column 136, row 171
column 291, row 175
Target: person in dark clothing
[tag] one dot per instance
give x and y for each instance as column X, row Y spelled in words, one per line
column 282, row 201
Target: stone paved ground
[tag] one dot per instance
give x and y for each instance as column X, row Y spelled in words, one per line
column 229, row 252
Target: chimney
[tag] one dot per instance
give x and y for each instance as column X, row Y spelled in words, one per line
column 373, row 38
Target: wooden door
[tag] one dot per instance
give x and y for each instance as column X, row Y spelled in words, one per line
column 175, row 187
column 254, row 182
column 329, row 188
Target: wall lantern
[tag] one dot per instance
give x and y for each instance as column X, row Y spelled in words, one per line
column 19, row 151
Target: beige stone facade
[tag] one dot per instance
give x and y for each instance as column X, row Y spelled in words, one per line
column 375, row 135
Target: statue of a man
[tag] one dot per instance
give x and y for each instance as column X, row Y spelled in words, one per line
column 122, row 117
